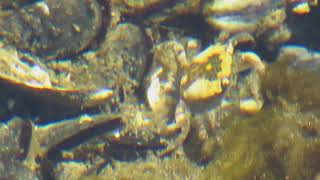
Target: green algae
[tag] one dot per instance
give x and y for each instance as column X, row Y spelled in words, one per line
column 242, row 153
column 152, row 168
column 270, row 145
column 280, row 142
column 296, row 84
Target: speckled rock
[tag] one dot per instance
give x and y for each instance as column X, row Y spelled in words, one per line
column 52, row 28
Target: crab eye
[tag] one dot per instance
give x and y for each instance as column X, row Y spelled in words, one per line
column 225, row 82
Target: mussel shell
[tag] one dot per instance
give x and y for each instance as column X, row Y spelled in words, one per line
column 52, row 28
column 237, row 15
column 11, row 4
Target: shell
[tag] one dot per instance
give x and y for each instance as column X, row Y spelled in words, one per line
column 52, row 28
column 238, row 15
column 202, row 89
column 38, row 80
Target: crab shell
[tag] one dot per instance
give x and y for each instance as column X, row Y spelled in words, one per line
column 202, row 88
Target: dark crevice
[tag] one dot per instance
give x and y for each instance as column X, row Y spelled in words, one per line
column 83, row 136
column 193, row 25
column 30, row 104
column 305, row 28
column 106, row 18
column 15, row 4
column 25, row 138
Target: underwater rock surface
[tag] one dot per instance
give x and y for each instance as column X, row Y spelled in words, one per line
column 52, row 28
column 158, row 89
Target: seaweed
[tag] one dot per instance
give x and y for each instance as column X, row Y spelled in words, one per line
column 274, row 144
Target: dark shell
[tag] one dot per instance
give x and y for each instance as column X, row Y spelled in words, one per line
column 236, row 16
column 52, row 28
column 11, row 150
column 10, row 4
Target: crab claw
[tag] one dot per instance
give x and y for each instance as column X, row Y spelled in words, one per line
column 180, row 125
column 250, row 60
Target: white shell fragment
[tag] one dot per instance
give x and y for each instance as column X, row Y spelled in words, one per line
column 153, row 94
column 250, row 106
column 40, row 78
column 43, row 7
column 98, row 97
column 18, row 71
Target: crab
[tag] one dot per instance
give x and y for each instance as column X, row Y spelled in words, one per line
column 181, row 87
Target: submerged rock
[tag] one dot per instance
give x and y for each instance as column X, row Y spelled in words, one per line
column 52, row 28
column 294, row 75
column 237, row 15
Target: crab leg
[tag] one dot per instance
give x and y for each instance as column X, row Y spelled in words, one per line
column 182, row 124
column 250, row 60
